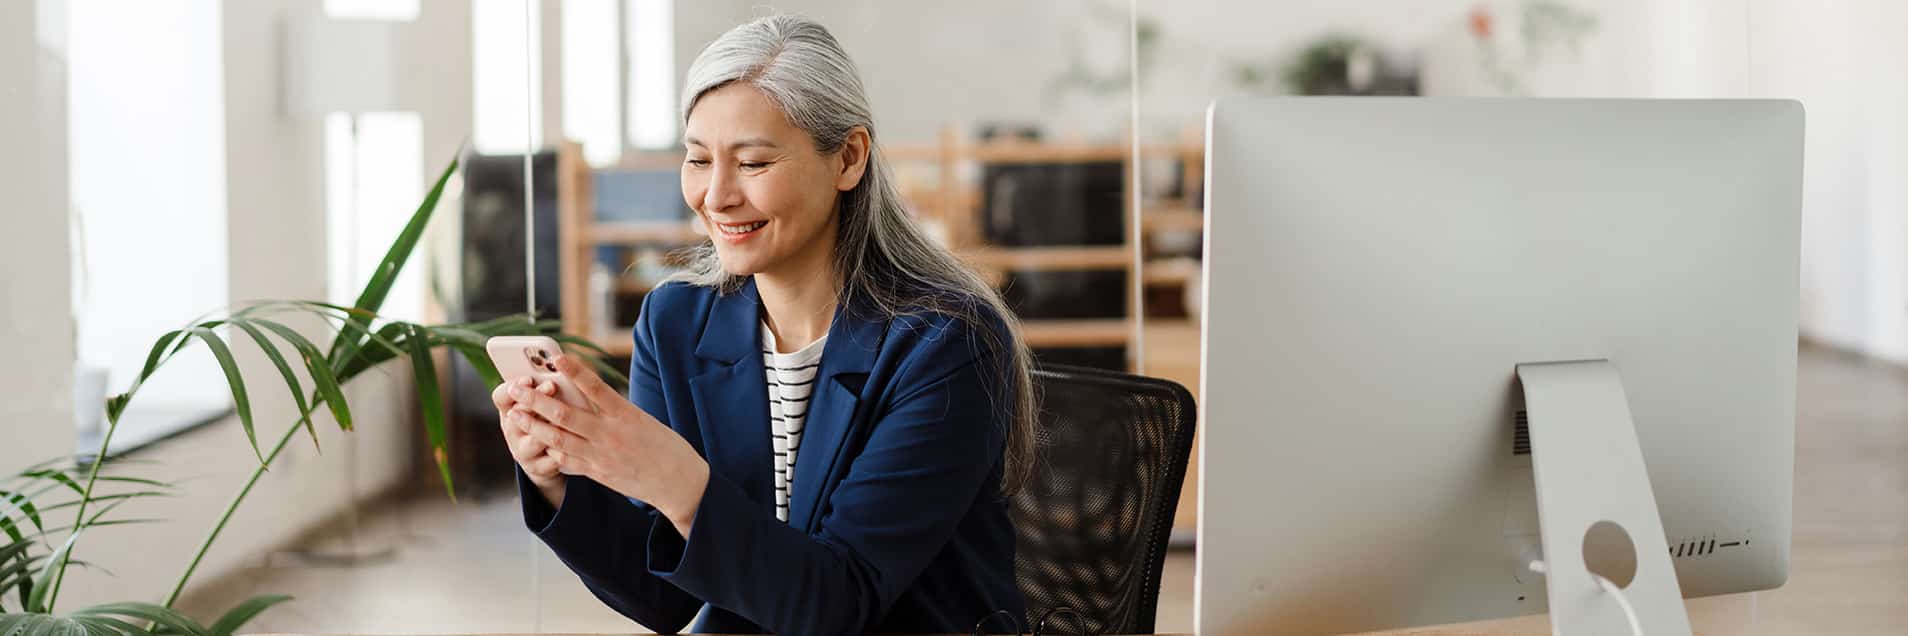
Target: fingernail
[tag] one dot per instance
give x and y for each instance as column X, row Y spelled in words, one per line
column 517, row 392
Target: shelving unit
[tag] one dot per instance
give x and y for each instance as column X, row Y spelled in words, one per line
column 949, row 203
column 955, row 206
column 579, row 233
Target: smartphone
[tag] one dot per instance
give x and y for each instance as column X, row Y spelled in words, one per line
column 534, row 357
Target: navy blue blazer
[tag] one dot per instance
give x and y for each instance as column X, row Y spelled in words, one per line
column 896, row 522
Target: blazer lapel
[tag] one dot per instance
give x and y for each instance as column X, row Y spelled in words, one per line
column 853, row 344
column 732, row 399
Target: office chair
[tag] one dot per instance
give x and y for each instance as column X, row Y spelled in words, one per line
column 1094, row 518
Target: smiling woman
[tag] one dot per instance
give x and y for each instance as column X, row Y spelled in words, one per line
column 826, row 409
column 764, row 190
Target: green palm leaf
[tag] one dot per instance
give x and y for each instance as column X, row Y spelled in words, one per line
column 321, row 375
column 238, row 616
column 364, row 359
column 153, row 359
column 284, row 370
column 162, row 618
column 60, row 477
column 425, row 371
column 43, row 625
column 234, row 381
column 596, row 357
column 23, row 504
column 122, row 479
column 108, row 626
column 18, row 575
column 387, row 270
column 36, row 600
column 480, row 360
column 112, row 497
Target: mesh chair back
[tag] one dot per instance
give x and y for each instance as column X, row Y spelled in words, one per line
column 1095, row 517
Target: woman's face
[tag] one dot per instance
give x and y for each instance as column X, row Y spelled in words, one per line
column 765, row 194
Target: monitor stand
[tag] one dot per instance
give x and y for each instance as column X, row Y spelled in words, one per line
column 1595, row 509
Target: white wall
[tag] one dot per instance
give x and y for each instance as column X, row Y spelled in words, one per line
column 36, row 413
column 931, row 64
column 990, row 60
column 1848, row 64
column 147, row 172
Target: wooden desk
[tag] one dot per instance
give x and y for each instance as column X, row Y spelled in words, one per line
column 1529, row 625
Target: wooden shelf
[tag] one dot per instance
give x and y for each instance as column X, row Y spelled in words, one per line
column 1169, row 272
column 1095, row 332
column 1155, row 219
column 641, row 233
column 1089, row 332
column 1083, row 257
column 939, row 192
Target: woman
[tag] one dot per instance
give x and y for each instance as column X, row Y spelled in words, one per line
column 862, row 399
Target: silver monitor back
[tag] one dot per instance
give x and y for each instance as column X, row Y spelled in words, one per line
column 1376, row 268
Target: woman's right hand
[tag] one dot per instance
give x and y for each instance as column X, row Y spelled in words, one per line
column 533, row 456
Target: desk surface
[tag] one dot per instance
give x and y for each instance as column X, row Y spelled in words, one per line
column 1514, row 627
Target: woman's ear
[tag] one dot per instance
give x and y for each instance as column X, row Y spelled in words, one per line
column 854, row 159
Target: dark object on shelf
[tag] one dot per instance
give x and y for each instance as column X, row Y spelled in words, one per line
column 1093, row 521
column 1066, row 294
column 1027, row 204
column 493, row 268
column 1007, row 131
column 494, row 285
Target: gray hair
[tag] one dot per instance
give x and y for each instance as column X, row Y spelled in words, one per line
column 883, row 257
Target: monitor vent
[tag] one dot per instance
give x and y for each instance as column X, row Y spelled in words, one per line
column 1699, row 547
column 1520, row 439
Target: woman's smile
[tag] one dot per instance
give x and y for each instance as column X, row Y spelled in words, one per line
column 736, row 233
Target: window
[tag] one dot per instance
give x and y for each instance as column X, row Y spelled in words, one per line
column 651, row 30
column 591, row 79
column 374, row 180
column 146, row 144
column 498, row 59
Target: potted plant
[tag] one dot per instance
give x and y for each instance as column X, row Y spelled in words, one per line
column 36, row 550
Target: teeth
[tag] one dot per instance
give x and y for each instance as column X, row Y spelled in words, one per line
column 741, row 229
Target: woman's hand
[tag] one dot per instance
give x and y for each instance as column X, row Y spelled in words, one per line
column 539, row 463
column 618, row 445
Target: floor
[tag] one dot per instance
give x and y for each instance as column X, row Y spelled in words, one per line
column 471, row 567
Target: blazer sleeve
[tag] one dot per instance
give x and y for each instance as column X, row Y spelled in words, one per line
column 601, row 535
column 925, row 460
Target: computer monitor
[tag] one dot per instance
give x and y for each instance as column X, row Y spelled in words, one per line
column 1378, row 272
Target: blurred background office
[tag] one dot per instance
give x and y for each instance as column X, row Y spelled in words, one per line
column 166, row 158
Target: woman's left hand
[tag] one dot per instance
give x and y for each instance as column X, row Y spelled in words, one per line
column 618, row 445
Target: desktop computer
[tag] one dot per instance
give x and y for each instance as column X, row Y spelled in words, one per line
column 1468, row 358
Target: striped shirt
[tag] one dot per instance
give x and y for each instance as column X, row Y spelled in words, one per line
column 791, row 378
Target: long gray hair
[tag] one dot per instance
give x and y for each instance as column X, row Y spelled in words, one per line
column 884, row 259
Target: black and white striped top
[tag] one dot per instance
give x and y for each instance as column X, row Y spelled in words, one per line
column 791, row 378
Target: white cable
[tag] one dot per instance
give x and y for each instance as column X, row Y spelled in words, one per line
column 1609, row 587
column 530, row 58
